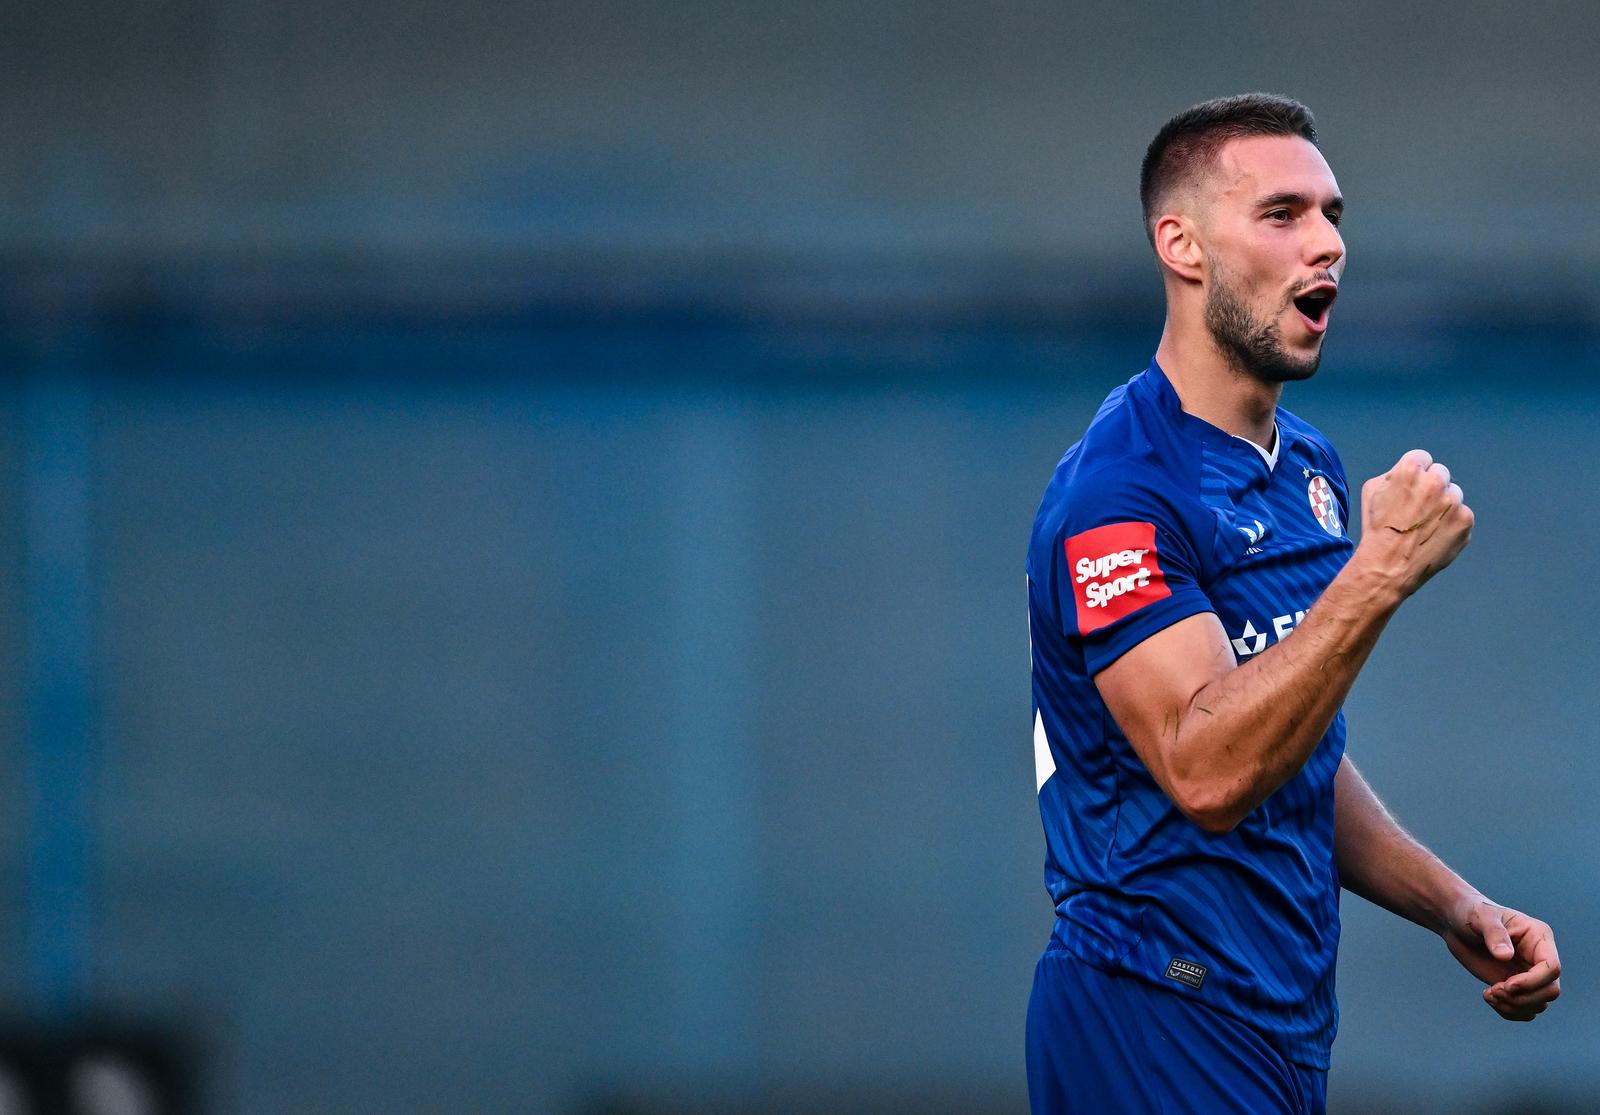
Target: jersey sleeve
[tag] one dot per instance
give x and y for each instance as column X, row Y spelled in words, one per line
column 1127, row 564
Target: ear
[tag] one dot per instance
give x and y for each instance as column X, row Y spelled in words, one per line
column 1178, row 246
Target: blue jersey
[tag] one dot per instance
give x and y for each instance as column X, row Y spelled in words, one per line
column 1153, row 516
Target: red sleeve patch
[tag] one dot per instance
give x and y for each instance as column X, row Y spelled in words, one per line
column 1114, row 573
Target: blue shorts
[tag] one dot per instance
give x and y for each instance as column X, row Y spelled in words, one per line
column 1100, row 1043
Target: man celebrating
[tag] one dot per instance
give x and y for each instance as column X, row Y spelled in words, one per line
column 1198, row 615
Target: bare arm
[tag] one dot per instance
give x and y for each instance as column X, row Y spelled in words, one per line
column 1219, row 737
column 1511, row 952
column 1384, row 864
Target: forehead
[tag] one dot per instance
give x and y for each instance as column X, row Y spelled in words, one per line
column 1253, row 167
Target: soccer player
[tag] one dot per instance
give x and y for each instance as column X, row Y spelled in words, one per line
column 1198, row 614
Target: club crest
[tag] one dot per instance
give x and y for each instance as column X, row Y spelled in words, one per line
column 1325, row 506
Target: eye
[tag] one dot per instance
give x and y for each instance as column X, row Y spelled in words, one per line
column 1278, row 214
column 1334, row 217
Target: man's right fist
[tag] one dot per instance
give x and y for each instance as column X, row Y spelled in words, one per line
column 1413, row 520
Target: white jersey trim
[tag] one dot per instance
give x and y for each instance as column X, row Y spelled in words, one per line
column 1272, row 457
column 1044, row 764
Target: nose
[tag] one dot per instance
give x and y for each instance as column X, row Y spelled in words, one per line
column 1325, row 246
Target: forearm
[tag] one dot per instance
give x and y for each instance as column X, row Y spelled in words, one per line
column 1384, row 864
column 1253, row 728
column 1220, row 737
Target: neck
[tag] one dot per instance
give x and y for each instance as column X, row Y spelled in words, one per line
column 1210, row 387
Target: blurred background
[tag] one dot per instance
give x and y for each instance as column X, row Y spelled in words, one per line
column 513, row 523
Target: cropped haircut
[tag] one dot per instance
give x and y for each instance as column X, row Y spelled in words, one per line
column 1187, row 145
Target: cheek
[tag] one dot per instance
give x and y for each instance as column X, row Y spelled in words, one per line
column 1256, row 272
column 1262, row 290
column 1273, row 280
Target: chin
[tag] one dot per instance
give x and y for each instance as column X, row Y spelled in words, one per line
column 1281, row 367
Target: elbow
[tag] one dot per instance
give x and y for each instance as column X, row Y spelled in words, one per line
column 1215, row 808
column 1214, row 822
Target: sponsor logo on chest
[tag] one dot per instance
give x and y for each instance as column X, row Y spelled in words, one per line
column 1251, row 641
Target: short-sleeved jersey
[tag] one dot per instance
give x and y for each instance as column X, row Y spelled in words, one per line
column 1153, row 516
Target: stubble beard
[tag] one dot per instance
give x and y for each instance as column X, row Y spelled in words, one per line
column 1251, row 346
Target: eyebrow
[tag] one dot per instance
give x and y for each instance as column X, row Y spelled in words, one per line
column 1291, row 198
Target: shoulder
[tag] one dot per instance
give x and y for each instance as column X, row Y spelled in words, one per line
column 1129, row 466
column 1293, row 425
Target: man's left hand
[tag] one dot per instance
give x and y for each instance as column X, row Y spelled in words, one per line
column 1511, row 952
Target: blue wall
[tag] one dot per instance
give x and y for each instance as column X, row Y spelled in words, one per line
column 512, row 716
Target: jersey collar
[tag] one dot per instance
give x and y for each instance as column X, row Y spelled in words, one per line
column 1270, row 458
column 1155, row 386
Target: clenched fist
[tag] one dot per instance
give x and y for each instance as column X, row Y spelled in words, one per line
column 1413, row 521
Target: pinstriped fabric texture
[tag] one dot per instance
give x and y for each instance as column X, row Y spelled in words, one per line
column 1099, row 1043
column 1247, row 922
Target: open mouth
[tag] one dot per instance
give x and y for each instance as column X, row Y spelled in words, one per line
column 1314, row 305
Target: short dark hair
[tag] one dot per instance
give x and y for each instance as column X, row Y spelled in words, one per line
column 1188, row 143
